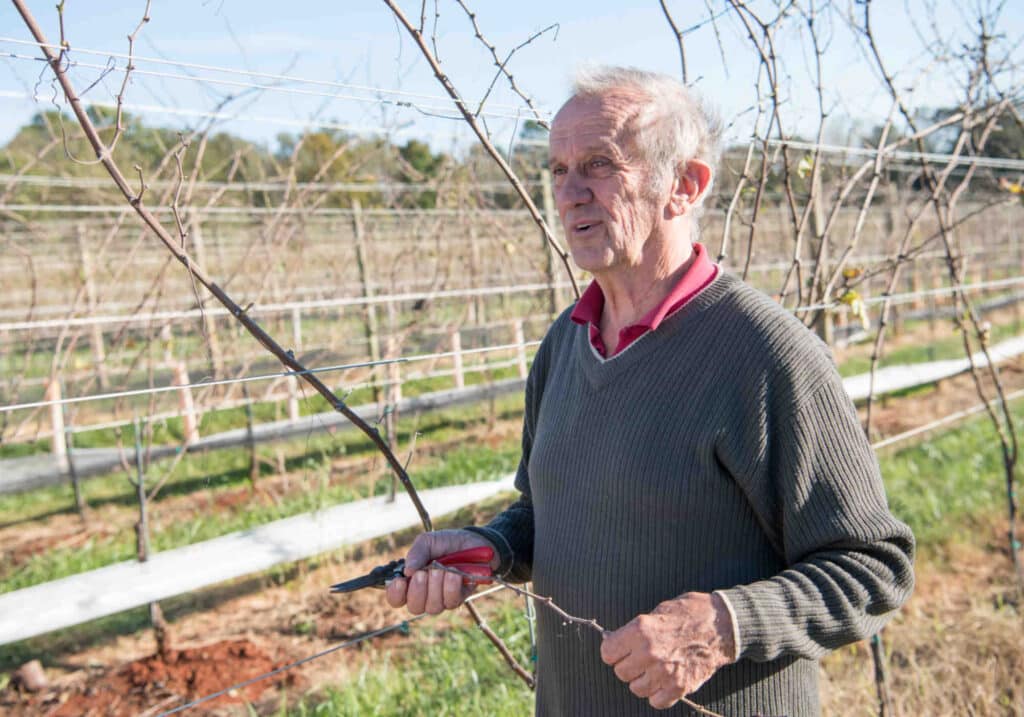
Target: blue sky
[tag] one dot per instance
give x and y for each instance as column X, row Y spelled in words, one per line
column 357, row 42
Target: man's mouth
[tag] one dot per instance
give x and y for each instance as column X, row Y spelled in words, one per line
column 583, row 227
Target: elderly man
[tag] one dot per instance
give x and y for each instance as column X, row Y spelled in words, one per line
column 693, row 474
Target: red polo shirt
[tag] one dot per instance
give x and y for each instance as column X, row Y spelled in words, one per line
column 588, row 309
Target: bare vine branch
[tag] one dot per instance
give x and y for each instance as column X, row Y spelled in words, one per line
column 679, row 38
column 471, row 120
column 285, row 357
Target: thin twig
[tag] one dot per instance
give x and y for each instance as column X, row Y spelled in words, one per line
column 286, row 358
column 679, row 38
column 471, row 120
column 502, row 65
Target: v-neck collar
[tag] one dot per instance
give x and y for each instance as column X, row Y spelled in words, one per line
column 601, row 371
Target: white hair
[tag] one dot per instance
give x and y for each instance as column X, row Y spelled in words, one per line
column 674, row 126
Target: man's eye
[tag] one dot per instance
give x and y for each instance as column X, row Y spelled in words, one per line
column 599, row 163
column 558, row 171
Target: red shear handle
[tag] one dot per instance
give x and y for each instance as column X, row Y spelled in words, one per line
column 482, row 555
column 475, row 561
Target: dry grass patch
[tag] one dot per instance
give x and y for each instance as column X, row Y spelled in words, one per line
column 957, row 648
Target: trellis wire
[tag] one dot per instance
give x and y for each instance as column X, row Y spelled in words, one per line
column 444, row 294
column 945, row 420
column 244, row 73
column 910, row 296
column 44, row 180
column 254, row 211
column 236, row 116
column 262, row 377
column 284, row 306
column 270, row 397
column 989, row 162
column 432, row 109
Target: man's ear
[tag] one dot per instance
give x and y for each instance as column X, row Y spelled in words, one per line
column 689, row 187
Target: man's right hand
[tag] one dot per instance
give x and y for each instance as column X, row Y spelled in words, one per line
column 434, row 591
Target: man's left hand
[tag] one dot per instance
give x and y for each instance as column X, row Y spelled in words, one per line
column 670, row 652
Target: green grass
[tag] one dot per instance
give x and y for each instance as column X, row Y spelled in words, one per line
column 452, row 673
column 944, row 486
column 226, row 469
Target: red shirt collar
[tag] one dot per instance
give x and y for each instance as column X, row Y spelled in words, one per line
column 591, row 304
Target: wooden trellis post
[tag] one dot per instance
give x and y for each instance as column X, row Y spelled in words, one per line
column 142, row 546
column 69, row 446
column 209, row 323
column 99, row 354
column 520, row 348
column 459, row 372
column 250, row 438
column 58, row 447
column 370, row 321
column 551, row 218
column 479, row 304
column 190, row 422
column 292, row 381
column 394, row 389
column 1016, row 238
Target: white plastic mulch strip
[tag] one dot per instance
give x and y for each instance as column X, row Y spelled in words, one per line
column 105, row 591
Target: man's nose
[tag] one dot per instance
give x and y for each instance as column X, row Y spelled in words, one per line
column 573, row 192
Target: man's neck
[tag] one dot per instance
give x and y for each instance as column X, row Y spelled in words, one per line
column 630, row 293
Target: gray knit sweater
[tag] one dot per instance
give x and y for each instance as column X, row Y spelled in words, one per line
column 717, row 453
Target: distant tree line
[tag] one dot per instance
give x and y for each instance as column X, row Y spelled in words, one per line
column 334, row 156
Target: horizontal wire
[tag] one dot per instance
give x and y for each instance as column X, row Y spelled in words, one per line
column 433, row 109
column 266, row 398
column 262, row 377
column 894, row 298
column 244, row 73
column 951, row 418
column 348, row 643
column 282, row 307
column 250, row 211
column 910, row 296
column 64, row 309
column 446, row 294
column 992, row 162
column 104, row 182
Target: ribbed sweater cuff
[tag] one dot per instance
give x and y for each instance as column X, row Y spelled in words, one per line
column 735, row 623
column 751, row 621
column 501, row 544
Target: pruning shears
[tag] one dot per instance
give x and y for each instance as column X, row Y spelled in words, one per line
column 474, row 561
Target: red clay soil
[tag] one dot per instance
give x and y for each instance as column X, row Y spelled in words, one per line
column 152, row 684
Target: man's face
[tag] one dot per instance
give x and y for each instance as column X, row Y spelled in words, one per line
column 603, row 188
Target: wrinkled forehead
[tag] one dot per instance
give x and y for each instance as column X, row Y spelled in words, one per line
column 608, row 118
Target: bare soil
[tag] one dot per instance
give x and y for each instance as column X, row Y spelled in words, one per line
column 236, row 635
column 157, row 682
